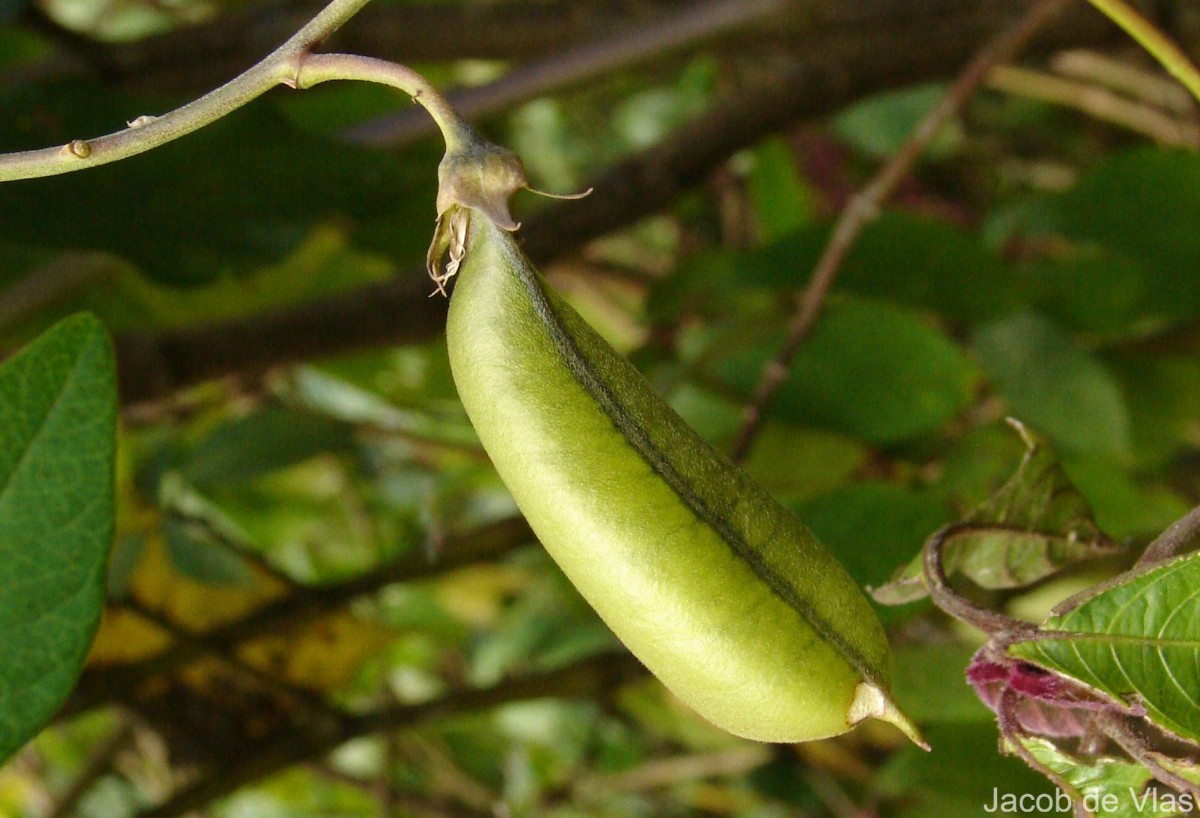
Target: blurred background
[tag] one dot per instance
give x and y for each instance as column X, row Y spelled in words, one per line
column 323, row 601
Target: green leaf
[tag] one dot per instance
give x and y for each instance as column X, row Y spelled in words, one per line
column 1102, row 293
column 1109, row 786
column 1163, row 395
column 320, row 391
column 871, row 526
column 1036, row 524
column 57, row 451
column 903, row 258
column 1055, row 385
column 794, row 463
column 872, row 371
column 197, row 553
column 977, row 464
column 928, row 264
column 1143, row 204
column 783, row 200
column 1137, row 640
column 266, row 440
column 1124, row 507
column 878, row 126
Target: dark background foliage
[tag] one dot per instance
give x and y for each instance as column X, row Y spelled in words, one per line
column 322, row 600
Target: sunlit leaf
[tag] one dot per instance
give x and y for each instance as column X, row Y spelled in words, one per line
column 57, row 451
column 1137, row 640
column 795, row 463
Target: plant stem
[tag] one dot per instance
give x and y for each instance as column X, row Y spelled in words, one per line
column 1154, row 41
column 314, row 69
column 291, row 64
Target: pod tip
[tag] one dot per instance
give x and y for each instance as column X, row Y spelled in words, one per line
column 872, row 702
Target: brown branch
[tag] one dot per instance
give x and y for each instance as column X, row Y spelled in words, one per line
column 156, row 364
column 115, row 683
column 197, row 57
column 201, row 643
column 1178, row 536
column 627, row 47
column 951, row 602
column 585, row 679
column 864, row 208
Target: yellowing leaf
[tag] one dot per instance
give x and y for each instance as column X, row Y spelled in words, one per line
column 322, row 656
column 476, row 594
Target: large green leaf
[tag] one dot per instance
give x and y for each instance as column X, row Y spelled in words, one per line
column 57, row 449
column 872, row 526
column 870, row 370
column 1055, row 385
column 930, row 265
column 1137, row 640
column 1143, row 204
column 1102, row 293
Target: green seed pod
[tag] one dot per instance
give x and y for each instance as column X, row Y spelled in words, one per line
column 722, row 593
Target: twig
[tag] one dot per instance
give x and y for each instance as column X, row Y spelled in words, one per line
column 624, row 49
column 416, row 807
column 145, row 133
column 664, row 772
column 1149, row 87
column 583, row 679
column 292, row 64
column 1175, row 538
column 1154, row 41
column 1121, row 729
column 98, row 763
column 199, row 56
column 301, row 607
column 200, row 643
column 1010, row 727
column 1097, row 102
column 950, row 601
column 864, row 208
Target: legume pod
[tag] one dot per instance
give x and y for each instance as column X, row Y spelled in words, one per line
column 721, row 592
